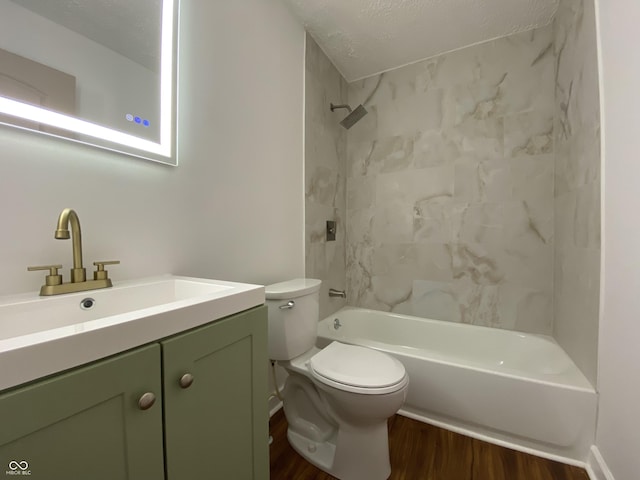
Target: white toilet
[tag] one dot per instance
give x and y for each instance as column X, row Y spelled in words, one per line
column 336, row 400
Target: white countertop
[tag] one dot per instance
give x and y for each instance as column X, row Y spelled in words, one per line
column 40, row 336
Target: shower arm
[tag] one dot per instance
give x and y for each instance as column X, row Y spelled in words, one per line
column 334, row 107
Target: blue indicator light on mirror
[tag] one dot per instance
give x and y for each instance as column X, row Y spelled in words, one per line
column 139, row 120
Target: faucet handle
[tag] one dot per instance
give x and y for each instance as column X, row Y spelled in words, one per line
column 101, row 273
column 53, row 278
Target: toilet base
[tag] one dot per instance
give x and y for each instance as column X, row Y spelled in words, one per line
column 320, row 454
column 363, row 454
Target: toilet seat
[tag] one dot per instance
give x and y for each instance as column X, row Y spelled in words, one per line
column 357, row 369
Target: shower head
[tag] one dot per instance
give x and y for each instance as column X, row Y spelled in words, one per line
column 353, row 117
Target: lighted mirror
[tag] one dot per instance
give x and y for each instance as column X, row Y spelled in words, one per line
column 99, row 72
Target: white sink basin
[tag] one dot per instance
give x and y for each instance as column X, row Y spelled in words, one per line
column 44, row 335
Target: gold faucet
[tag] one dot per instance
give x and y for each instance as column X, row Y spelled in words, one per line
column 53, row 282
column 78, row 272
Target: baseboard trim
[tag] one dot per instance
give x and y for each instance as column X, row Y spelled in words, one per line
column 494, row 439
column 274, row 406
column 596, row 466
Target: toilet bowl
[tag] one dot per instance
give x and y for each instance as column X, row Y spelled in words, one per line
column 336, row 400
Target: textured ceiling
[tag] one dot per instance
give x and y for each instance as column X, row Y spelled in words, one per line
column 128, row 27
column 365, row 37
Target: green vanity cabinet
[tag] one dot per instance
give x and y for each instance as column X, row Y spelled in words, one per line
column 91, row 422
column 86, row 423
column 217, row 426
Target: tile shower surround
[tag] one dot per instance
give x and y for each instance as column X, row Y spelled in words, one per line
column 325, row 174
column 450, row 187
column 471, row 186
column 577, row 185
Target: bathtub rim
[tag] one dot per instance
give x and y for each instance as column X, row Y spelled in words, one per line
column 585, row 387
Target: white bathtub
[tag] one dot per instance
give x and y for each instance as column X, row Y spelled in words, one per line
column 515, row 389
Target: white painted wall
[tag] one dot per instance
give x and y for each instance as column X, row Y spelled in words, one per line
column 232, row 209
column 618, row 430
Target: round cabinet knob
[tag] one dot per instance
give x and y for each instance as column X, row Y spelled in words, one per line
column 186, row 380
column 146, row 401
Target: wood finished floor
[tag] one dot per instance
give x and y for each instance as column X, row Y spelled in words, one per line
column 423, row 452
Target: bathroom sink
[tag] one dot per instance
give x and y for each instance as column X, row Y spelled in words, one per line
column 44, row 335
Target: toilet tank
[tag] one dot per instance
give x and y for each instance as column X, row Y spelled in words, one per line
column 293, row 309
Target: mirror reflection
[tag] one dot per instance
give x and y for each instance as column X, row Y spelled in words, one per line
column 98, row 61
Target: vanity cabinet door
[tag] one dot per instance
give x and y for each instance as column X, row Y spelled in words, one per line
column 86, row 423
column 217, row 426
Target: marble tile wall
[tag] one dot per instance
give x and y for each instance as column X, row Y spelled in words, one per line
column 577, row 184
column 450, row 186
column 325, row 175
column 470, row 192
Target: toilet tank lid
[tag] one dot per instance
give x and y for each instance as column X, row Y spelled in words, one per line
column 292, row 288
